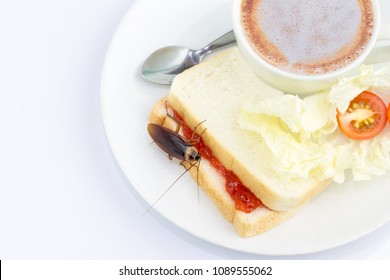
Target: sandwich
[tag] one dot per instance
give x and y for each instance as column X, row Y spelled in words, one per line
column 248, row 220
column 236, row 169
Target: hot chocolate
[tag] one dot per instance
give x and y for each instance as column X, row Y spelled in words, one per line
column 308, row 37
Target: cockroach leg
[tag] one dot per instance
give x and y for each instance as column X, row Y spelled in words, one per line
column 172, row 118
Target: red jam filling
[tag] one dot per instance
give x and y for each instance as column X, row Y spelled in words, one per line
column 244, row 199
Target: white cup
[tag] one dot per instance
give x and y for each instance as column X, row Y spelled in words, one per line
column 289, row 82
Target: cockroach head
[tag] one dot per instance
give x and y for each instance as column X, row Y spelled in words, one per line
column 192, row 155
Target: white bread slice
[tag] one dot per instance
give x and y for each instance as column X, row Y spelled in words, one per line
column 213, row 92
column 213, row 184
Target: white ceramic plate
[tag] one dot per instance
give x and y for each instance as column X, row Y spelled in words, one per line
column 339, row 215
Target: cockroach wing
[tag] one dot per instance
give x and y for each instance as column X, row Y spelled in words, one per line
column 169, row 141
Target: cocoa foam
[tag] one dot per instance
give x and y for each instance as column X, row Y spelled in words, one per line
column 308, row 36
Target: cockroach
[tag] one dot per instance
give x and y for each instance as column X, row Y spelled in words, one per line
column 176, row 146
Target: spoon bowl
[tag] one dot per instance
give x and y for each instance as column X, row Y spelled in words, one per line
column 162, row 66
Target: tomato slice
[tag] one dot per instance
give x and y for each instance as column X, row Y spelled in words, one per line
column 388, row 112
column 365, row 117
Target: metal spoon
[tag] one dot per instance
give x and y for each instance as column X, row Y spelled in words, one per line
column 164, row 64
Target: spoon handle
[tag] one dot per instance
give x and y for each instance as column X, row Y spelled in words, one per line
column 223, row 41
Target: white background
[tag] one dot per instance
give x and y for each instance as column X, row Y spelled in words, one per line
column 62, row 196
